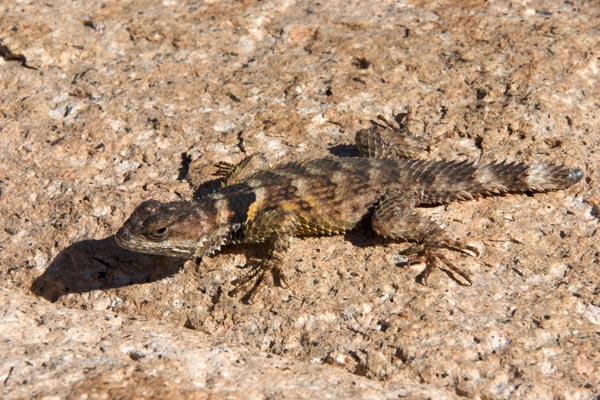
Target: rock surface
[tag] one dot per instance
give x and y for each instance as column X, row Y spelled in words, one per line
column 107, row 104
column 66, row 353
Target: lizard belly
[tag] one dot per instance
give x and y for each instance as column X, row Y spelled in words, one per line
column 318, row 226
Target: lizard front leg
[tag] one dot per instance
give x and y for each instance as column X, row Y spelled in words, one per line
column 395, row 218
column 276, row 229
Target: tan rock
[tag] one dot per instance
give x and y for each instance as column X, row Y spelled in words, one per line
column 120, row 102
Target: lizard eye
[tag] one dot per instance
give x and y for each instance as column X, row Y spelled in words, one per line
column 159, row 233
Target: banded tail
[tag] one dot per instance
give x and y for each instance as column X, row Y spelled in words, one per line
column 456, row 180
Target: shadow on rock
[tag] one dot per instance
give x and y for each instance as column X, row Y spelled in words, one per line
column 344, row 150
column 100, row 264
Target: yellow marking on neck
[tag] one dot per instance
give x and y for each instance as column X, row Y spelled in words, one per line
column 289, row 206
column 255, row 207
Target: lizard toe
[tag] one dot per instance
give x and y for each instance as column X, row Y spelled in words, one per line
column 433, row 258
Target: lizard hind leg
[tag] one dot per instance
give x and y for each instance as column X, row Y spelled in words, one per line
column 395, row 218
column 245, row 169
column 384, row 139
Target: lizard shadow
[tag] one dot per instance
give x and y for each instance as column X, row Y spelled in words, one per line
column 100, row 264
column 363, row 236
column 344, row 150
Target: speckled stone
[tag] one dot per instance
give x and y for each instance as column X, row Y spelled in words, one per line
column 118, row 102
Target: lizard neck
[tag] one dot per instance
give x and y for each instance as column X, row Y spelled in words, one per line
column 222, row 216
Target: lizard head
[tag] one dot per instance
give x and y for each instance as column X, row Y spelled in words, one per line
column 177, row 229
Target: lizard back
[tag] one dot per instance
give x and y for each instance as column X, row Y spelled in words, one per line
column 331, row 195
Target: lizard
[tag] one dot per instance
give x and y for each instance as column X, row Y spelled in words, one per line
column 383, row 187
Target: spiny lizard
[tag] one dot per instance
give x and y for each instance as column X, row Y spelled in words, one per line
column 266, row 204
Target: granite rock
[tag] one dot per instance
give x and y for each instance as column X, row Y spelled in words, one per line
column 106, row 104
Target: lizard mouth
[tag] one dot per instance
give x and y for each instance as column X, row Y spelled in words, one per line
column 125, row 240
column 139, row 246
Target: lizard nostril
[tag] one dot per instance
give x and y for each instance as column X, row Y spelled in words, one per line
column 121, row 233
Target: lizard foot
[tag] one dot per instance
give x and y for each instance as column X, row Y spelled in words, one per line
column 224, row 169
column 251, row 281
column 433, row 257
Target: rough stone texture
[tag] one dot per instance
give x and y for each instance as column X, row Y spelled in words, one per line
column 67, row 353
column 118, row 102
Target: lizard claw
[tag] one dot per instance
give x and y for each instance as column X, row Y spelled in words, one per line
column 434, row 260
column 432, row 256
column 254, row 279
column 224, row 169
column 279, row 277
column 460, row 247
